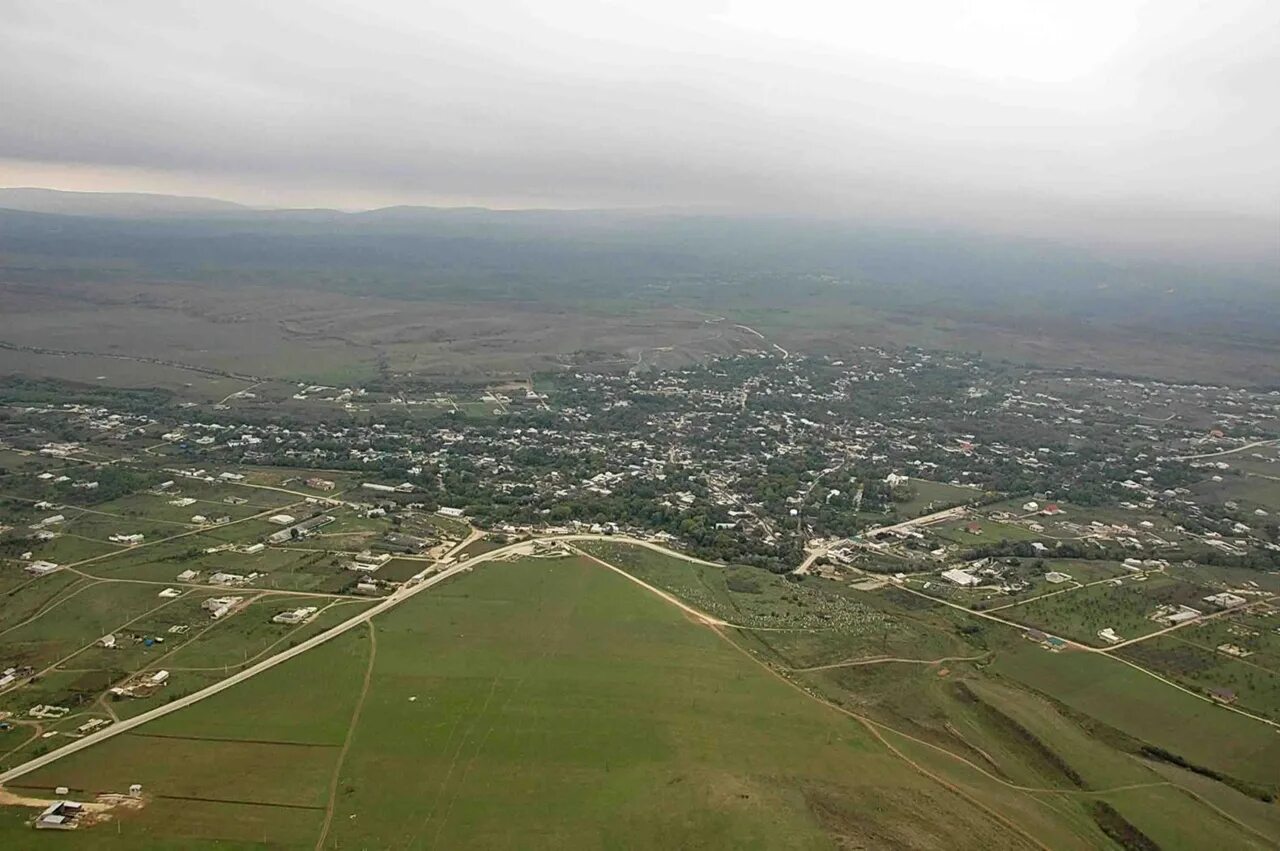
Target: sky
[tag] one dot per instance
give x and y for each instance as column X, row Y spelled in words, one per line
column 1130, row 124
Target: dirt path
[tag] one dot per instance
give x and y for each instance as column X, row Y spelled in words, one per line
column 701, row 617
column 351, row 732
column 880, row 660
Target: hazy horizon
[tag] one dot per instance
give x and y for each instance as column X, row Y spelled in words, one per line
column 1126, row 125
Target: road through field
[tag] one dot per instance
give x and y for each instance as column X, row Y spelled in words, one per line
column 879, row 730
column 116, row 729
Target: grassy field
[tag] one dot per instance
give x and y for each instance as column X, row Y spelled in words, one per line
column 746, row 596
column 552, row 702
column 536, row 703
column 992, row 531
column 244, row 769
column 588, row 713
column 927, row 496
column 81, row 618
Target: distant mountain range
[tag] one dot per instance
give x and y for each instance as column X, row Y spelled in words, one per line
column 568, row 256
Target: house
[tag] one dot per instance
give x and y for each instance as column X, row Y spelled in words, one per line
column 1057, row 577
column 40, row 568
column 316, row 483
column 1109, row 635
column 446, row 511
column 1223, row 695
column 219, row 606
column 282, row 519
column 1225, row 600
column 188, row 575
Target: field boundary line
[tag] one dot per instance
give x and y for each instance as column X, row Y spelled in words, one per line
column 229, row 741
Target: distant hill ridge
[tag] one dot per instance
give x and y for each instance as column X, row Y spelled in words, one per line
column 113, row 204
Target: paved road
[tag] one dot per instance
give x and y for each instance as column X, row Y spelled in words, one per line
column 390, row 602
column 710, row 620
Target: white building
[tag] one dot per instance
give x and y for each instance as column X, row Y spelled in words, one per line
column 961, row 578
column 219, row 606
column 40, row 568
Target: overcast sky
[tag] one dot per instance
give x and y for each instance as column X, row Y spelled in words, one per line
column 1150, row 123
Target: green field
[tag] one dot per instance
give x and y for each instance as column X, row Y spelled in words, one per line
column 927, row 496
column 553, row 703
